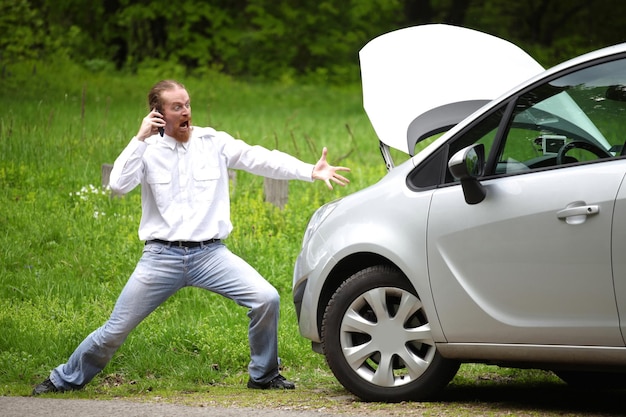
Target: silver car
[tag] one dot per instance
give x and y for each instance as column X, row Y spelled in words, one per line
column 500, row 240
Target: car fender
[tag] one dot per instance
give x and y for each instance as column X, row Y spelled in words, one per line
column 340, row 248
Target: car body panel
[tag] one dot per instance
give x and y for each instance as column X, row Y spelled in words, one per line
column 553, row 357
column 618, row 252
column 544, row 276
column 348, row 231
column 413, row 72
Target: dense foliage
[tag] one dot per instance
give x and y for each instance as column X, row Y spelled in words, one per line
column 282, row 39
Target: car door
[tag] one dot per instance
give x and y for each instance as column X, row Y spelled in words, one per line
column 618, row 236
column 532, row 262
column 519, row 267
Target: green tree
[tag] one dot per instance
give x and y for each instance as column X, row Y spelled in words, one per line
column 551, row 30
column 284, row 39
column 17, row 40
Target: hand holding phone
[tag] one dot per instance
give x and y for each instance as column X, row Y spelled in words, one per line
column 152, row 120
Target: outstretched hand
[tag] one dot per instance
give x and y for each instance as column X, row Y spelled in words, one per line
column 327, row 173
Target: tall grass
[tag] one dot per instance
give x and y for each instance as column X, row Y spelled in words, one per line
column 67, row 247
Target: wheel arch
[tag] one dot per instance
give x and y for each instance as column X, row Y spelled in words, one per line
column 344, row 269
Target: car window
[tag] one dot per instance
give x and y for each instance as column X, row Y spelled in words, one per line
column 574, row 119
column 484, row 132
column 429, row 173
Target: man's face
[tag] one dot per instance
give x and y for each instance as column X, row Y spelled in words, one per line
column 177, row 113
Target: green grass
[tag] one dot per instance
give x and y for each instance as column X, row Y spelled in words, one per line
column 67, row 248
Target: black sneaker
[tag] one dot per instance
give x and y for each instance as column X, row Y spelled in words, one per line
column 45, row 387
column 278, row 382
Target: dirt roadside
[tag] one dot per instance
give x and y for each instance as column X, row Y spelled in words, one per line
column 504, row 399
column 52, row 407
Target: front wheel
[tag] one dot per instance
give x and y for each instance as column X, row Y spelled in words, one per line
column 377, row 340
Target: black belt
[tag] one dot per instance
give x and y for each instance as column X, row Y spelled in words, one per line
column 182, row 243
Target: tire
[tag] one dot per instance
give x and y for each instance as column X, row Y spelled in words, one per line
column 373, row 353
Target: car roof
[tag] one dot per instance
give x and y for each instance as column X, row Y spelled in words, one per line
column 422, row 80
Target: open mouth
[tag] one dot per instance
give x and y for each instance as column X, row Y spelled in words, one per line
column 184, row 124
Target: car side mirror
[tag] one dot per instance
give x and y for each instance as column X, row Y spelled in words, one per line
column 467, row 165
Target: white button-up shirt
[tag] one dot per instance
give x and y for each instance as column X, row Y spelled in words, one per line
column 184, row 186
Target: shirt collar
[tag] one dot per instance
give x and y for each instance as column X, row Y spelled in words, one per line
column 170, row 142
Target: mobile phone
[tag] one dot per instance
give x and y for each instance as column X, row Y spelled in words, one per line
column 161, row 129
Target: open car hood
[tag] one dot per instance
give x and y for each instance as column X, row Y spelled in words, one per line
column 423, row 80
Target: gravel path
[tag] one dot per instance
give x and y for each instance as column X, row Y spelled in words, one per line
column 500, row 400
column 52, row 407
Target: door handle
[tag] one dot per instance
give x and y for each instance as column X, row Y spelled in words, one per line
column 577, row 212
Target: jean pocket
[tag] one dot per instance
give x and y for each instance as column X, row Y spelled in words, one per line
column 154, row 248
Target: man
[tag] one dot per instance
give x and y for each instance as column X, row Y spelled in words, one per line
column 185, row 202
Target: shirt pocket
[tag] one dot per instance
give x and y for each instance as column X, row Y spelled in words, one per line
column 160, row 182
column 205, row 180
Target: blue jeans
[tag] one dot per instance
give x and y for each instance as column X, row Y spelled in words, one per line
column 163, row 270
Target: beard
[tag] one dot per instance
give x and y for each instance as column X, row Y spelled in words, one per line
column 182, row 134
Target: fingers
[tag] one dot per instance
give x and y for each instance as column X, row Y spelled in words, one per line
column 157, row 119
column 337, row 179
column 150, row 124
column 340, row 179
column 327, row 173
